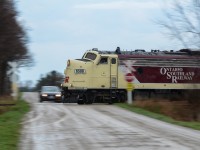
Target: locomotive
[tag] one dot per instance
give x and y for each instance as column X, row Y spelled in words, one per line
column 99, row 76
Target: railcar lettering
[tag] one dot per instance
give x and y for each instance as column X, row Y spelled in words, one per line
column 176, row 74
column 174, row 69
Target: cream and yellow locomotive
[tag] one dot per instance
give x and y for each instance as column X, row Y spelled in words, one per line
column 99, row 76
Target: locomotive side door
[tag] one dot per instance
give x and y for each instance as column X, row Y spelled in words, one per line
column 113, row 72
column 102, row 73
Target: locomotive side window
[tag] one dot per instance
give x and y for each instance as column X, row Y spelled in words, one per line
column 113, row 60
column 104, row 60
column 91, row 56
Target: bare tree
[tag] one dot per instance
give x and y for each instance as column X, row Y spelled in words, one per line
column 183, row 22
column 13, row 41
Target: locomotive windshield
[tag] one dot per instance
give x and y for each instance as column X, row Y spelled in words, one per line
column 90, row 56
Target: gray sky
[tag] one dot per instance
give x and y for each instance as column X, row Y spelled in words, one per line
column 64, row 29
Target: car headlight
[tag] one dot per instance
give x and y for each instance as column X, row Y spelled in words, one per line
column 44, row 95
column 58, row 95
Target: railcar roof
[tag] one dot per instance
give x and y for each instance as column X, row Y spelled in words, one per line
column 138, row 53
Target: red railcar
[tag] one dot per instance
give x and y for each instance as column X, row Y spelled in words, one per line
column 165, row 67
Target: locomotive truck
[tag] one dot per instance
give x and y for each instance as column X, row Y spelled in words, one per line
column 99, row 76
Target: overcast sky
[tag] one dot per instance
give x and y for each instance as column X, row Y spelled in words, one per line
column 64, row 29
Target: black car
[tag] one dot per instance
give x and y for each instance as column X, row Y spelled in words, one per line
column 50, row 93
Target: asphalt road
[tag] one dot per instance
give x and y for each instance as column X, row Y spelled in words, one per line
column 57, row 126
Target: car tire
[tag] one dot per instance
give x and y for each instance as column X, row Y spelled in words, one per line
column 58, row 101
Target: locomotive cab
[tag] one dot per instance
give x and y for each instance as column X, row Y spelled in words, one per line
column 91, row 78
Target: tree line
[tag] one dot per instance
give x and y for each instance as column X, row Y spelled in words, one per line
column 13, row 42
column 52, row 78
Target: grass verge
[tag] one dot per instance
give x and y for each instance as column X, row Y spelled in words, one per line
column 10, row 125
column 193, row 125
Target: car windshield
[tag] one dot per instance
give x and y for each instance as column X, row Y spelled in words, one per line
column 50, row 89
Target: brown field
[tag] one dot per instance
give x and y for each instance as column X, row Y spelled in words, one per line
column 5, row 103
column 181, row 110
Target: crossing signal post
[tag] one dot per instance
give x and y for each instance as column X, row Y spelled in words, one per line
column 129, row 77
column 14, row 77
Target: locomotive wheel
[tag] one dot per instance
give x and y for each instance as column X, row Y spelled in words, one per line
column 81, row 101
column 123, row 98
column 88, row 102
column 88, row 99
column 65, row 99
column 110, row 102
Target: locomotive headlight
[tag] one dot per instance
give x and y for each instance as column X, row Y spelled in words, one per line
column 68, row 63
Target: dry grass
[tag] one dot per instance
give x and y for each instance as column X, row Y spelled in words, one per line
column 5, row 103
column 6, row 99
column 184, row 106
column 178, row 110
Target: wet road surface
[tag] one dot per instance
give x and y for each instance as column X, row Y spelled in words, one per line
column 51, row 126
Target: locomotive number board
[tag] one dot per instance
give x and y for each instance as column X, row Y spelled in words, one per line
column 79, row 71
